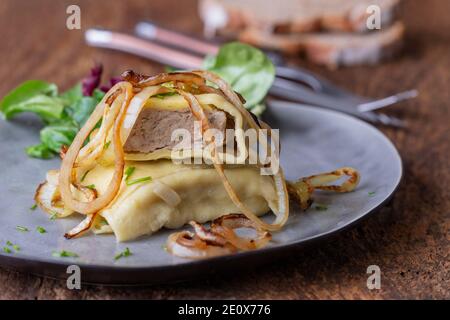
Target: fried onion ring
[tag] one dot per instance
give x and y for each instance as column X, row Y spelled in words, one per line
column 225, row 226
column 186, row 244
column 302, row 189
column 71, row 155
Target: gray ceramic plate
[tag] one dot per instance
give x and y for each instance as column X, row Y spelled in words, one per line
column 313, row 141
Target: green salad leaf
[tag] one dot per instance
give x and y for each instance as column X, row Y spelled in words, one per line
column 249, row 71
column 63, row 114
column 35, row 96
column 82, row 109
column 73, row 94
column 98, row 94
column 27, row 90
column 40, row 151
column 47, row 107
column 55, row 136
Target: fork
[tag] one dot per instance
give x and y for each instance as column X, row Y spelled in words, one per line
column 154, row 32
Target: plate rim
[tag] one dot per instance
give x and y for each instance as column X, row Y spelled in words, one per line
column 27, row 264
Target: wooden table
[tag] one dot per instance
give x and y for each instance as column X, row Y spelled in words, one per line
column 408, row 239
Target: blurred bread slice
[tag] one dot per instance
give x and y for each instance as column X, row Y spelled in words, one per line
column 333, row 49
column 293, row 16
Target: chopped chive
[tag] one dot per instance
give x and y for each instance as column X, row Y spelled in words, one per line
column 127, row 252
column 321, row 207
column 84, row 175
column 7, row 250
column 10, row 244
column 63, row 254
column 371, row 193
column 140, row 180
column 123, row 254
column 23, row 229
column 128, row 172
column 33, row 207
column 40, row 229
column 106, row 146
column 53, row 216
column 91, row 186
column 163, row 95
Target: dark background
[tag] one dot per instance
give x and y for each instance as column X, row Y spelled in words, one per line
column 408, row 239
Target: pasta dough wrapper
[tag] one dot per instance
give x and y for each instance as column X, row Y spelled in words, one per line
column 138, row 210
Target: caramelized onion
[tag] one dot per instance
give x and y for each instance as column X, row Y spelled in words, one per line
column 320, row 181
column 301, row 192
column 185, row 244
column 232, row 96
column 110, row 107
column 225, row 226
column 302, row 189
column 220, row 239
column 83, row 226
column 144, row 81
column 71, row 155
column 48, row 198
column 62, row 151
column 207, row 235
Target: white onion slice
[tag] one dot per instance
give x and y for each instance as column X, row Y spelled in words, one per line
column 166, row 193
column 71, row 156
column 83, row 226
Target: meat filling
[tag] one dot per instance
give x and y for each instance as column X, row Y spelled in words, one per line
column 153, row 128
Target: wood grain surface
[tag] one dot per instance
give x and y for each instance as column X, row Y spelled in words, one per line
column 408, row 239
